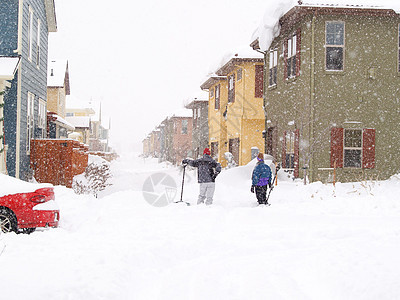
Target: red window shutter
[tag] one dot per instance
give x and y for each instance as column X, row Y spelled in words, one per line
column 259, row 81
column 285, row 54
column 284, row 150
column 368, row 148
column 298, row 51
column 337, row 147
column 296, row 153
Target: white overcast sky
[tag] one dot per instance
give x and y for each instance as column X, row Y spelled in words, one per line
column 143, row 59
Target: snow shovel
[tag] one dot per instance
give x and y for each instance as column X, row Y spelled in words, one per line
column 183, row 181
column 273, row 182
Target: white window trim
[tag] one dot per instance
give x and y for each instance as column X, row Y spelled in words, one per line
column 342, row 46
column 30, row 120
column 352, row 148
column 273, row 62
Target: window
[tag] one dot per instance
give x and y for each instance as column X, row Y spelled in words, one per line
column 231, row 88
column 259, row 81
column 30, row 34
column 352, row 148
column 217, row 96
column 290, row 57
column 38, row 43
column 69, row 114
column 273, row 66
column 239, row 74
column 184, row 129
column 289, row 149
column 334, row 46
column 30, row 120
column 42, row 114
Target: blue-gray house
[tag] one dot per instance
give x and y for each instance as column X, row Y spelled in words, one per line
column 24, row 29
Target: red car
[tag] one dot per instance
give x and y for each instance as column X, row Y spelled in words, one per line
column 24, row 212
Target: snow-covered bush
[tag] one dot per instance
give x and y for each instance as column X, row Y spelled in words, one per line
column 94, row 179
column 230, row 160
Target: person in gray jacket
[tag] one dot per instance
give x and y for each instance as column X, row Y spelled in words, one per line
column 207, row 170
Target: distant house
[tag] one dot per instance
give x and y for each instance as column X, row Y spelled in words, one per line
column 57, row 90
column 331, row 94
column 200, row 126
column 235, row 114
column 181, row 140
column 80, row 114
column 8, row 68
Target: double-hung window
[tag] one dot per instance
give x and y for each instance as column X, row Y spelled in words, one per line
column 38, row 43
column 30, row 34
column 184, row 129
column 291, row 56
column 217, row 96
column 30, row 120
column 273, row 66
column 352, row 148
column 334, row 44
column 290, row 136
column 231, row 88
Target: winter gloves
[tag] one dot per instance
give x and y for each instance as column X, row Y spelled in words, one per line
column 252, row 189
column 185, row 162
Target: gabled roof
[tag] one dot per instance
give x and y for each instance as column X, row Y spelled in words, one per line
column 51, row 15
column 196, row 103
column 58, row 74
column 211, row 81
column 234, row 62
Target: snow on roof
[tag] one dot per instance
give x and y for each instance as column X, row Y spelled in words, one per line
column 66, row 124
column 56, row 71
column 182, row 113
column 269, row 27
column 10, row 185
column 81, row 121
column 8, row 66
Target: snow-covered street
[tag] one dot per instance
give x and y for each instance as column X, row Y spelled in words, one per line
column 313, row 242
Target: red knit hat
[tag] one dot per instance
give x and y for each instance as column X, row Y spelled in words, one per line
column 207, row 151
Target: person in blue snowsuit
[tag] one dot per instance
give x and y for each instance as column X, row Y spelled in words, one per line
column 261, row 179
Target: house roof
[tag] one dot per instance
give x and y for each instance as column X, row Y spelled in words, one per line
column 283, row 14
column 211, row 81
column 233, row 62
column 182, row 113
column 61, row 121
column 196, row 103
column 79, row 122
column 58, row 74
column 51, row 15
column 8, row 67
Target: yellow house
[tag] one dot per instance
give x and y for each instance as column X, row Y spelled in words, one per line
column 236, row 115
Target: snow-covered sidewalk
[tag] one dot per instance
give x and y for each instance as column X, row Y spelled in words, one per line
column 313, row 242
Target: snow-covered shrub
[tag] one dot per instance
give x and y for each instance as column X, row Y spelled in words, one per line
column 230, row 160
column 94, row 179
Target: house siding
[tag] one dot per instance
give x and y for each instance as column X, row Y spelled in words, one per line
column 31, row 78
column 349, row 98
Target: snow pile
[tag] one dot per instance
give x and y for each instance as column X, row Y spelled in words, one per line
column 313, row 242
column 10, row 185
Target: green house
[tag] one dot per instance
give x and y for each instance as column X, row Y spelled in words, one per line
column 332, row 92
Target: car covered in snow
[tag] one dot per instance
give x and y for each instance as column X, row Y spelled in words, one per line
column 26, row 206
